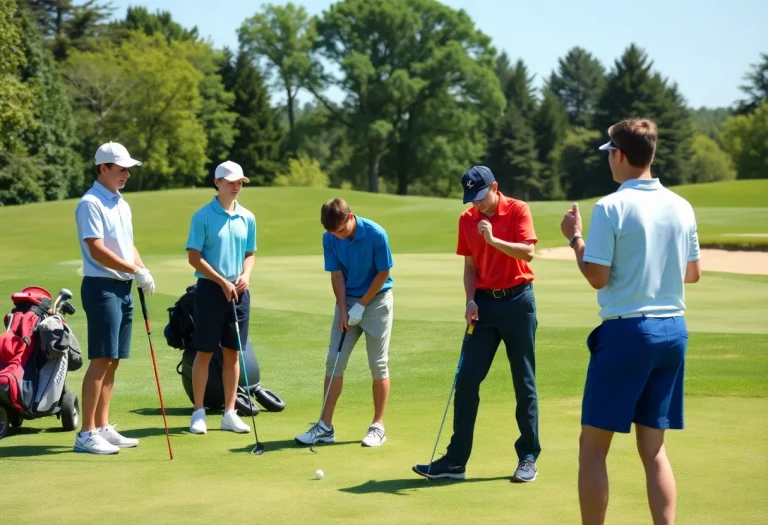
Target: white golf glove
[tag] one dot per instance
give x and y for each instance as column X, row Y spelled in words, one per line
column 356, row 314
column 145, row 281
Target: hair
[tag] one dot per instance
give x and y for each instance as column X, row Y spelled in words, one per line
column 334, row 213
column 107, row 164
column 636, row 137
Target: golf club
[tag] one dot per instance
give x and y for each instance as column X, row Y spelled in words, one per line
column 154, row 364
column 259, row 448
column 66, row 308
column 64, row 295
column 470, row 329
column 328, row 390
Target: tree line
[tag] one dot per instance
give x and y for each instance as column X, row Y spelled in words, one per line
column 422, row 94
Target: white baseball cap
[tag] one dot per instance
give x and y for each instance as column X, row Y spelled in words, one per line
column 230, row 171
column 112, row 152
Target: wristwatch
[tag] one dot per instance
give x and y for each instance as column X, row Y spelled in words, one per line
column 573, row 239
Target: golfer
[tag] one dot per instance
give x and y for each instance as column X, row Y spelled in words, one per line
column 111, row 263
column 641, row 249
column 357, row 254
column 220, row 247
column 496, row 238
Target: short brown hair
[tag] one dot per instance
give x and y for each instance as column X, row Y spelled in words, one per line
column 334, row 213
column 636, row 137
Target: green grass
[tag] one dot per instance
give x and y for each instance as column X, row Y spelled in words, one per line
column 723, row 449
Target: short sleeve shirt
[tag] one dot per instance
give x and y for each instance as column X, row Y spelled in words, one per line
column 512, row 222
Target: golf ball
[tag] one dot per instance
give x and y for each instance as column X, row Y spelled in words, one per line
column 319, row 474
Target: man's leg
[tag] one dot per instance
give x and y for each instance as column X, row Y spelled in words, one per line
column 353, row 335
column 377, row 325
column 380, row 397
column 93, row 382
column 479, row 350
column 105, row 396
column 230, row 376
column 594, row 444
column 660, row 480
column 200, row 377
column 519, row 335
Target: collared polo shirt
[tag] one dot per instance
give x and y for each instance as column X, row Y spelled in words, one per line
column 647, row 235
column 101, row 214
column 361, row 258
column 222, row 238
column 511, row 222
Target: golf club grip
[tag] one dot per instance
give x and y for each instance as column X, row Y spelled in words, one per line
column 143, row 304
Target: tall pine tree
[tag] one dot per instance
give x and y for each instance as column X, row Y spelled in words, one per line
column 550, row 124
column 259, row 136
column 578, row 84
column 634, row 90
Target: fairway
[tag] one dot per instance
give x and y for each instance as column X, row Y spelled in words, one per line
column 723, row 451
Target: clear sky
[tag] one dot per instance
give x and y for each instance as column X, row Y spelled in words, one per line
column 705, row 46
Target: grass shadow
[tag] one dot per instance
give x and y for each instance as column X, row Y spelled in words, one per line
column 139, row 433
column 400, row 487
column 169, row 411
column 273, row 446
column 28, row 451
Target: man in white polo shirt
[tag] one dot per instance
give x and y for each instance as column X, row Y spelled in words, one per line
column 111, row 263
column 641, row 248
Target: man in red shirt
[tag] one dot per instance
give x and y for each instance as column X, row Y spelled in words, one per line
column 496, row 238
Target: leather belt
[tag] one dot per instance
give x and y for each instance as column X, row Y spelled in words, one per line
column 499, row 293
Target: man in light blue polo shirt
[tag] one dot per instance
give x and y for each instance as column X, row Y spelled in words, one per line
column 221, row 246
column 111, row 263
column 641, row 249
column 357, row 254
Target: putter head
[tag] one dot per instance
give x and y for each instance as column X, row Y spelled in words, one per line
column 258, row 450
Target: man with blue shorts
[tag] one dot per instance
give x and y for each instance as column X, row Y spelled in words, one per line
column 220, row 247
column 641, row 248
column 357, row 255
column 111, row 263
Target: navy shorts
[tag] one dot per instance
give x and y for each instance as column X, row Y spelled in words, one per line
column 214, row 319
column 108, row 306
column 636, row 373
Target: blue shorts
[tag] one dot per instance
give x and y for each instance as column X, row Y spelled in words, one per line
column 108, row 306
column 214, row 319
column 636, row 373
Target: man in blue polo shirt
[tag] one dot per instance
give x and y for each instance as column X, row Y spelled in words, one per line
column 221, row 246
column 111, row 263
column 641, row 249
column 357, row 254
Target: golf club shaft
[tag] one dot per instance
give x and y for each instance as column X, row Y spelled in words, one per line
column 470, row 329
column 154, row 365
column 245, row 371
column 328, row 390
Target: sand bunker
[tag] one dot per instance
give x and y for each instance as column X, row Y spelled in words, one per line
column 712, row 260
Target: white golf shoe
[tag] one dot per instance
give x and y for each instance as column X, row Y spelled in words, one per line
column 375, row 436
column 93, row 443
column 317, row 433
column 198, row 426
column 231, row 421
column 114, row 438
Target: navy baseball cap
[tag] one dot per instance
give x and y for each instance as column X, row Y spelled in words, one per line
column 476, row 182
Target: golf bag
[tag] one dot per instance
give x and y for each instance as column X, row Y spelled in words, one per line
column 37, row 350
column 180, row 332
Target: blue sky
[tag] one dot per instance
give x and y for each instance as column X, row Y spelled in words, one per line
column 706, row 46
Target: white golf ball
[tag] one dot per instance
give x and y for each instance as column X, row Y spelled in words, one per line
column 319, row 474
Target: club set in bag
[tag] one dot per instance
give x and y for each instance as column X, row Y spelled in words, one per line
column 64, row 295
column 259, row 448
column 328, row 390
column 154, row 364
column 470, row 329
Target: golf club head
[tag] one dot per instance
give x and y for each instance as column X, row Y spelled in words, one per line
column 67, row 308
column 258, row 450
column 65, row 294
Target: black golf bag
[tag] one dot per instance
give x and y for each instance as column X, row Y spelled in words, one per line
column 179, row 333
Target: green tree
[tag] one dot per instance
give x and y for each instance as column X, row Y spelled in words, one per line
column 304, row 172
column 258, row 138
column 633, row 89
column 416, row 76
column 578, row 83
column 284, row 35
column 550, row 124
column 517, row 85
column 580, row 164
column 709, row 162
column 16, row 98
column 709, row 122
column 65, row 26
column 756, row 87
column 20, row 180
column 746, row 139
column 162, row 22
column 53, row 138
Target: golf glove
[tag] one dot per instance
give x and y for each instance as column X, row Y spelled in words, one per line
column 356, row 314
column 145, row 281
